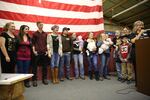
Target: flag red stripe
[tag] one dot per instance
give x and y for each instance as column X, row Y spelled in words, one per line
column 48, row 20
column 58, row 6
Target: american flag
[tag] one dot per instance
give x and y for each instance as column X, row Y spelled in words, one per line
column 81, row 16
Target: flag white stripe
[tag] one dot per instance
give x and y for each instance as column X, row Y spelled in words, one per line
column 47, row 27
column 79, row 2
column 24, row 9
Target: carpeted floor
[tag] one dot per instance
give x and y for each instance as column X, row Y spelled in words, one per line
column 85, row 90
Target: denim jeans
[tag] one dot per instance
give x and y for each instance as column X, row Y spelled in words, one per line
column 23, row 66
column 104, row 64
column 65, row 61
column 118, row 69
column 78, row 60
column 55, row 58
column 93, row 61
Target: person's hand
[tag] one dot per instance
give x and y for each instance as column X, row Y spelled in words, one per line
column 35, row 53
column 142, row 31
column 122, row 60
column 116, row 48
column 46, row 53
column 125, row 60
column 104, row 49
column 80, row 49
column 94, row 49
column 7, row 59
column 49, row 55
column 60, row 53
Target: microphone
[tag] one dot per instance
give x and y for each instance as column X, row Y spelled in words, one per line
column 147, row 29
column 146, row 34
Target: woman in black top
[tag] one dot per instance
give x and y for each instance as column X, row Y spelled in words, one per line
column 136, row 35
column 9, row 42
column 54, row 47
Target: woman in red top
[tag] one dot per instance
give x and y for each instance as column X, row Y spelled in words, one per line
column 24, row 52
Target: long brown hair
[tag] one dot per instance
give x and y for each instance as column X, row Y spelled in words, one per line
column 21, row 32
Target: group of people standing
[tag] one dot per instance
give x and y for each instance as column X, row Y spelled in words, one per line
column 57, row 50
column 124, row 52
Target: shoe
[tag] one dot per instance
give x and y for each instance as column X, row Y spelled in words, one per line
column 101, row 78
column 45, row 82
column 129, row 81
column 76, row 77
column 27, row 84
column 34, row 83
column 119, row 79
column 69, row 78
column 97, row 76
column 62, row 79
column 83, row 78
column 90, row 75
column 105, row 77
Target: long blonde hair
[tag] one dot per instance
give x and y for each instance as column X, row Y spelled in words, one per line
column 6, row 26
column 101, row 37
column 135, row 25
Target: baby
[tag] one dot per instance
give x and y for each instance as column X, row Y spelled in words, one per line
column 79, row 42
column 106, row 44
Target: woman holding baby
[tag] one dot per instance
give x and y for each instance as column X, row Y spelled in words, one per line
column 104, row 43
column 91, row 51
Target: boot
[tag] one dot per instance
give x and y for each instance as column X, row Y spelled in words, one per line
column 53, row 76
column 97, row 76
column 56, row 75
column 45, row 82
column 26, row 83
column 90, row 75
column 35, row 83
